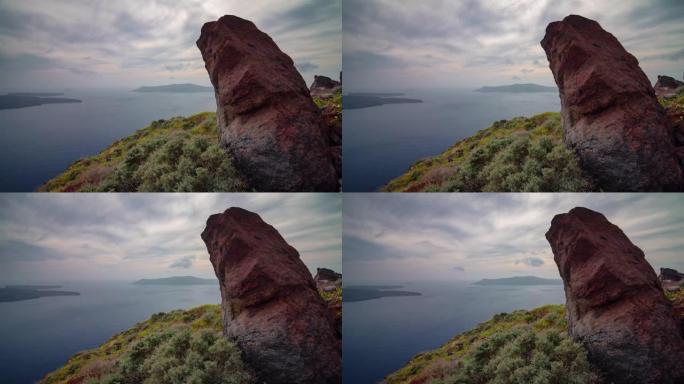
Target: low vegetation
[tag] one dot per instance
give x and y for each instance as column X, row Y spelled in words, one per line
column 175, row 155
column 524, row 154
column 521, row 154
column 674, row 103
column 521, row 347
column 181, row 154
column 177, row 347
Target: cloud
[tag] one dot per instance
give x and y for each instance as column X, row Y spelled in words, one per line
column 459, row 268
column 486, row 42
column 120, row 236
column 531, row 261
column 404, row 237
column 136, row 44
column 183, row 262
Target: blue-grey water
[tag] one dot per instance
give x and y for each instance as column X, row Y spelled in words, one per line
column 37, row 336
column 37, row 143
column 381, row 143
column 380, row 336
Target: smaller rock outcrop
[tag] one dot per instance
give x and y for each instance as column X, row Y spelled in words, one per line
column 670, row 279
column 614, row 302
column 324, row 87
column 610, row 113
column 667, row 87
column 270, row 303
column 267, row 119
column 329, row 283
column 325, row 275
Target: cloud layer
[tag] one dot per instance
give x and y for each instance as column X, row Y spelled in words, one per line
column 130, row 236
column 69, row 43
column 390, row 45
column 394, row 238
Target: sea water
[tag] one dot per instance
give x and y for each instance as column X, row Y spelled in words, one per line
column 380, row 336
column 381, row 143
column 39, row 142
column 38, row 336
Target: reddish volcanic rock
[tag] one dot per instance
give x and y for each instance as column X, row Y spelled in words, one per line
column 269, row 302
column 615, row 304
column 266, row 117
column 324, row 87
column 667, row 86
column 611, row 116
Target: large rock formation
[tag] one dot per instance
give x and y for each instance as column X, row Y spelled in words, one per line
column 667, row 87
column 324, row 87
column 610, row 113
column 270, row 304
column 266, row 117
column 615, row 304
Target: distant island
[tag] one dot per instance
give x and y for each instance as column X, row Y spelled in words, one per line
column 520, row 280
column 177, row 280
column 369, row 292
column 28, row 292
column 368, row 99
column 31, row 99
column 519, row 88
column 175, row 88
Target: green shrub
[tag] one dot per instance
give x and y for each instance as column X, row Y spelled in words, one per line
column 176, row 155
column 181, row 163
column 517, row 155
column 180, row 357
column 522, row 356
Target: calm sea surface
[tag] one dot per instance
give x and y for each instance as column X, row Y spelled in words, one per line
column 381, row 143
column 37, row 143
column 39, row 335
column 382, row 335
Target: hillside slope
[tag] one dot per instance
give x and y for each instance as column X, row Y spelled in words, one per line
column 174, row 347
column 511, row 348
column 523, row 154
column 178, row 347
column 180, row 154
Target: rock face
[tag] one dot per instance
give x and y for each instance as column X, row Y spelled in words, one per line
column 669, row 274
column 266, row 117
column 667, row 87
column 615, row 304
column 671, row 280
column 324, row 87
column 270, row 304
column 610, row 113
column 325, row 274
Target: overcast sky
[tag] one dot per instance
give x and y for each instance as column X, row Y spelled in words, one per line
column 61, row 44
column 395, row 238
column 65, row 237
column 396, row 45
